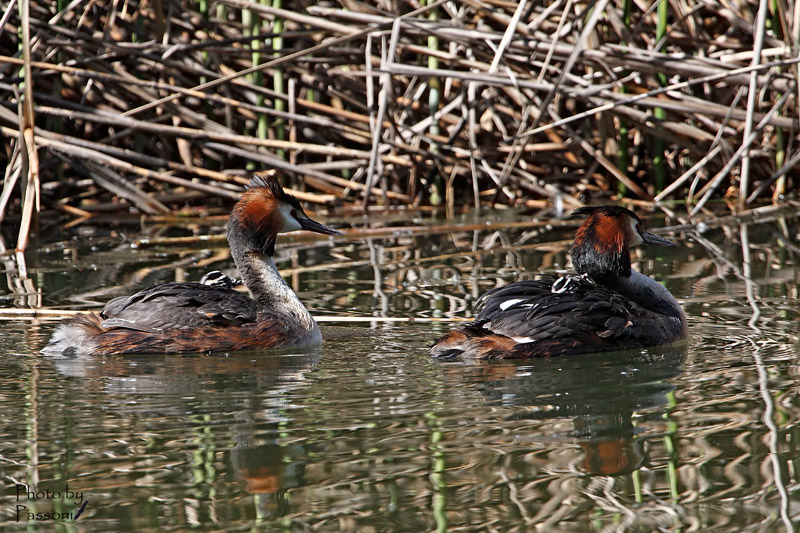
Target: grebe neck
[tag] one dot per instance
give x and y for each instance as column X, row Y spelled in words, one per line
column 646, row 292
column 268, row 288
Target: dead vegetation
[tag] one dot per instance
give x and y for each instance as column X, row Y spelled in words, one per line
column 154, row 107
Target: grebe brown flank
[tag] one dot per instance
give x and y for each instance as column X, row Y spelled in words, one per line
column 607, row 306
column 196, row 317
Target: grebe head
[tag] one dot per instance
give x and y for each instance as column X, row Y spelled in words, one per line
column 264, row 211
column 602, row 243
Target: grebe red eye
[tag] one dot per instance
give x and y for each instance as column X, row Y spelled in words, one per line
column 293, row 212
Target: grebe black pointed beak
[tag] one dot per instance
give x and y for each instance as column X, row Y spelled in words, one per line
column 316, row 227
column 655, row 240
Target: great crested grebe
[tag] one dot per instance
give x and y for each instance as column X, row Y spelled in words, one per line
column 210, row 316
column 608, row 306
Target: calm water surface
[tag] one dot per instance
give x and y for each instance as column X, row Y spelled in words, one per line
column 367, row 433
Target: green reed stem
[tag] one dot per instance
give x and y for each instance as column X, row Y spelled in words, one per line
column 262, row 130
column 669, row 443
column 250, row 27
column 439, row 503
column 780, row 139
column 434, row 95
column 660, row 114
column 278, row 81
column 434, row 98
column 636, row 477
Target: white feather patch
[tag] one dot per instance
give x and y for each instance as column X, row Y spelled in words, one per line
column 508, row 303
column 290, row 223
column 636, row 238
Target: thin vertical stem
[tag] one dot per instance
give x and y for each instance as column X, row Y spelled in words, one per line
column 659, row 113
column 758, row 45
column 622, row 136
column 439, row 503
column 780, row 139
column 434, row 97
column 30, row 181
column 278, row 82
column 669, row 444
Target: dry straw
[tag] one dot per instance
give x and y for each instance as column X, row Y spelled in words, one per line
column 153, row 106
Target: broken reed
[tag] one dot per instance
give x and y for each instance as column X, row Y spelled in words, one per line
column 456, row 102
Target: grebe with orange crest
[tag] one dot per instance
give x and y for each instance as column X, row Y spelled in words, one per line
column 201, row 317
column 607, row 306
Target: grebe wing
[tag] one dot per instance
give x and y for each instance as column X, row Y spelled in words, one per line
column 180, row 305
column 555, row 308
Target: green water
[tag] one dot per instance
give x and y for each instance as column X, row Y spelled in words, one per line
column 367, row 433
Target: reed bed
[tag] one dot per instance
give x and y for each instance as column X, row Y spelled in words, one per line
column 154, row 107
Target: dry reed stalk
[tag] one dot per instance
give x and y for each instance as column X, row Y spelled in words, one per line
column 26, row 139
column 384, row 109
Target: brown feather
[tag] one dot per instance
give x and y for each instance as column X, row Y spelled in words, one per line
column 609, row 234
column 266, row 332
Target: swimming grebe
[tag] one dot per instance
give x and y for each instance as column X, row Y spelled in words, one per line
column 608, row 306
column 197, row 317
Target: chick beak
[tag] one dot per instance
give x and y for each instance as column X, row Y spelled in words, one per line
column 312, row 225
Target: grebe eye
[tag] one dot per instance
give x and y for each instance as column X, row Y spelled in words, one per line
column 293, row 212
